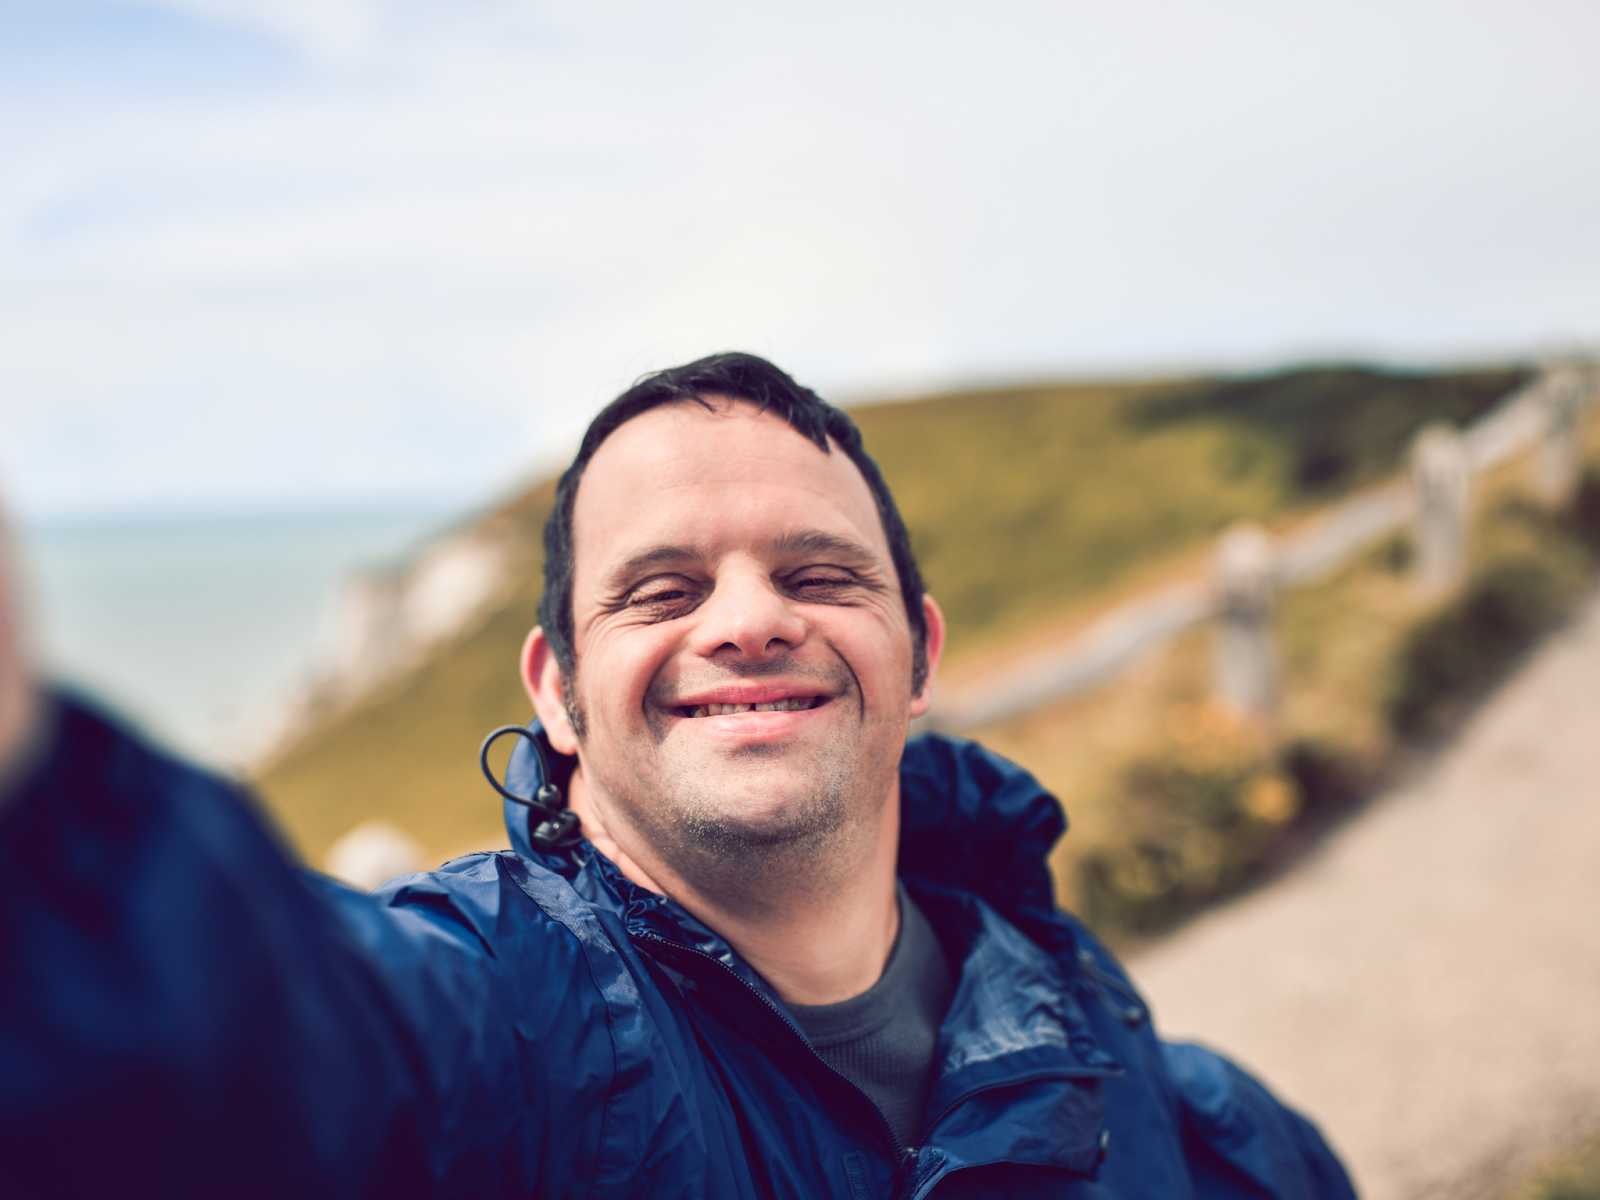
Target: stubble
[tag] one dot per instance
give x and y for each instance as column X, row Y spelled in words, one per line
column 766, row 812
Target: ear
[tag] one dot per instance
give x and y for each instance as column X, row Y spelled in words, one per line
column 935, row 619
column 541, row 677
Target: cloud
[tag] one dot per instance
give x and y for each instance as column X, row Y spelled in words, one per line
column 383, row 220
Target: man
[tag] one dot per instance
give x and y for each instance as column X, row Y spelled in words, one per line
column 767, row 948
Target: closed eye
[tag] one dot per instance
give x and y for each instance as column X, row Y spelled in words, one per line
column 823, row 584
column 662, row 597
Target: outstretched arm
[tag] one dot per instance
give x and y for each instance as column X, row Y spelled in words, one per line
column 177, row 1009
column 184, row 1012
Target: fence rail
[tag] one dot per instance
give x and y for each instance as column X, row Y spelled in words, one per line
column 1432, row 498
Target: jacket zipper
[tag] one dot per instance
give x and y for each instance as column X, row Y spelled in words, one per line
column 963, row 1097
column 902, row 1153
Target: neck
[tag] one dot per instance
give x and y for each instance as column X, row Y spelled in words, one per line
column 817, row 936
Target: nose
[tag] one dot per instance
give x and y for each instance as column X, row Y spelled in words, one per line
column 746, row 618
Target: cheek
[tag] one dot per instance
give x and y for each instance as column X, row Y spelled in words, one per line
column 616, row 669
column 878, row 650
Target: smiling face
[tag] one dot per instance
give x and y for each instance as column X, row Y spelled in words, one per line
column 744, row 660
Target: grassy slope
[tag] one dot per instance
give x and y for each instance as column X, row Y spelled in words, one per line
column 1028, row 501
column 1023, row 503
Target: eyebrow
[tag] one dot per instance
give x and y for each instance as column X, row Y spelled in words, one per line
column 657, row 555
column 814, row 541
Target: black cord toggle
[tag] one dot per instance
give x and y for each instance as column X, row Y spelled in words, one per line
column 555, row 827
column 1131, row 1012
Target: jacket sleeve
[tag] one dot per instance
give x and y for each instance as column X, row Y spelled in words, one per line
column 182, row 1008
column 1240, row 1142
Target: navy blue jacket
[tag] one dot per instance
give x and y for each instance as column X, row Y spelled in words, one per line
column 184, row 1013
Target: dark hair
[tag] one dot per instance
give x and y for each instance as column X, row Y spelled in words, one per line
column 739, row 377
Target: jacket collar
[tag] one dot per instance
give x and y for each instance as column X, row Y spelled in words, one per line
column 975, row 833
column 969, row 820
column 971, row 824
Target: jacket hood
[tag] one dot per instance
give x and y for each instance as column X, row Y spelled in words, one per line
column 973, row 822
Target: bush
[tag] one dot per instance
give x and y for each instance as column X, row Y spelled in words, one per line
column 1194, row 819
column 1330, row 780
column 1465, row 645
column 1524, row 589
column 1582, row 519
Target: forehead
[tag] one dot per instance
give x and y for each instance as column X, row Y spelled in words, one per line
column 713, row 478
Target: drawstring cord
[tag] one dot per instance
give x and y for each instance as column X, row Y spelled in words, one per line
column 553, row 828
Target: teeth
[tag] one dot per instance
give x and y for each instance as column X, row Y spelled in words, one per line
column 792, row 704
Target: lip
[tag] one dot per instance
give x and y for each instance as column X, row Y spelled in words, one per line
column 748, row 727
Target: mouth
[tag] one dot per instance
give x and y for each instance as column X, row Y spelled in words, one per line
column 787, row 704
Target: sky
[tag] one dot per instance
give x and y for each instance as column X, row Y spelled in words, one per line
column 264, row 255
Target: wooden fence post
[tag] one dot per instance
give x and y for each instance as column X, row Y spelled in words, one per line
column 1443, row 479
column 1557, row 461
column 1246, row 667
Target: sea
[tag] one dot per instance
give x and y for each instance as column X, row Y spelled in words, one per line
column 203, row 631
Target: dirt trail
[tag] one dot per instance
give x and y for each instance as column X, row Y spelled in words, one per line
column 1427, row 987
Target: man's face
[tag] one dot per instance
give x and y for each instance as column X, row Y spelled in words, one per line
column 744, row 659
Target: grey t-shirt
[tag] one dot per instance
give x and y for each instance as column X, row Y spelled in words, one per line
column 883, row 1040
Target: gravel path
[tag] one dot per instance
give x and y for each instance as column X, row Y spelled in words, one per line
column 1427, row 986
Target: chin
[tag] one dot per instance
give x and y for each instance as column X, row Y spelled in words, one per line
column 730, row 815
column 765, row 808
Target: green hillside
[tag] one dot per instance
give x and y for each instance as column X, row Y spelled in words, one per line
column 1023, row 504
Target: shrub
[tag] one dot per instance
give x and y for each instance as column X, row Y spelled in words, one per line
column 1462, row 647
column 1582, row 519
column 1331, row 781
column 1458, row 650
column 1194, row 818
